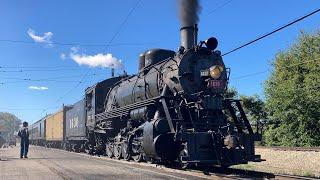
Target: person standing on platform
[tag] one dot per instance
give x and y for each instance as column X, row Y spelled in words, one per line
column 24, row 135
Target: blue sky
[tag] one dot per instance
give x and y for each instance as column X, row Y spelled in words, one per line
column 153, row 24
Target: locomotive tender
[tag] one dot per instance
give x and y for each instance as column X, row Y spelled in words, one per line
column 172, row 110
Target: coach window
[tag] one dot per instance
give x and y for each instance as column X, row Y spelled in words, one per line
column 89, row 101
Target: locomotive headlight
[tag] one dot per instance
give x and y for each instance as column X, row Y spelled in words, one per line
column 215, row 71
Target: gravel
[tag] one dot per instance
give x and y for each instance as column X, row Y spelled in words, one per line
column 303, row 163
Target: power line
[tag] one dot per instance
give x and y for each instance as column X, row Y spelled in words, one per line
column 219, row 7
column 123, row 23
column 111, row 40
column 77, row 44
column 284, row 67
column 37, row 70
column 21, row 109
column 32, row 80
column 20, row 69
column 251, row 74
column 51, row 78
column 272, row 32
column 33, row 67
column 68, row 92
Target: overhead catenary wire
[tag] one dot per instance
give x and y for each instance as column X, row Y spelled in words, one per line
column 272, row 32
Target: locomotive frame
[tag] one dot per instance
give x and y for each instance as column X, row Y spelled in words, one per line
column 172, row 111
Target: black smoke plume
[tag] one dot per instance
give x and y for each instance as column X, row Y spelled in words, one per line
column 189, row 12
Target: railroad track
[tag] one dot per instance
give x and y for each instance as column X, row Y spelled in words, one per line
column 280, row 148
column 234, row 173
column 211, row 172
column 287, row 176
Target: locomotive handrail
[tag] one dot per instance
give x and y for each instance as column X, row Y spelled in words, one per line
column 244, row 117
column 228, row 102
column 124, row 110
column 165, row 107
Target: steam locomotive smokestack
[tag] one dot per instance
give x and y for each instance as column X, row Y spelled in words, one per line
column 189, row 17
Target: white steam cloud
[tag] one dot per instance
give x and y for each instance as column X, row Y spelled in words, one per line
column 98, row 60
column 45, row 39
column 39, row 88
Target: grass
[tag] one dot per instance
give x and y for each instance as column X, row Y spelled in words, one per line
column 245, row 166
column 308, row 174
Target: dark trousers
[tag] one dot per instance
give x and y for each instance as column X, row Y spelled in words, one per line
column 24, row 148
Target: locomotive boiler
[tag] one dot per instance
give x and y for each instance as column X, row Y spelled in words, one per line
column 173, row 110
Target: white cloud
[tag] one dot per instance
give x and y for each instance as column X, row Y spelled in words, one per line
column 46, row 38
column 40, row 88
column 98, row 60
column 63, row 56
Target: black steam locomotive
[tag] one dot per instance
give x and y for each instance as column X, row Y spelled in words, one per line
column 172, row 110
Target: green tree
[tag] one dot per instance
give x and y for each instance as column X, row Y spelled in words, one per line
column 9, row 123
column 231, row 93
column 254, row 108
column 293, row 95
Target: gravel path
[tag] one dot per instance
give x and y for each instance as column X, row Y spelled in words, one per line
column 288, row 162
column 58, row 164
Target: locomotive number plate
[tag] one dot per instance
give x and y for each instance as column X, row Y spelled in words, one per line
column 215, row 84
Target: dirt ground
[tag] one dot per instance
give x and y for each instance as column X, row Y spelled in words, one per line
column 287, row 162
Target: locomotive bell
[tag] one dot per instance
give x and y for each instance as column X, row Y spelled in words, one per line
column 211, row 43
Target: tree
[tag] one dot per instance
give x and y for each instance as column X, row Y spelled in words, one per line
column 293, row 95
column 254, row 108
column 9, row 123
column 231, row 93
